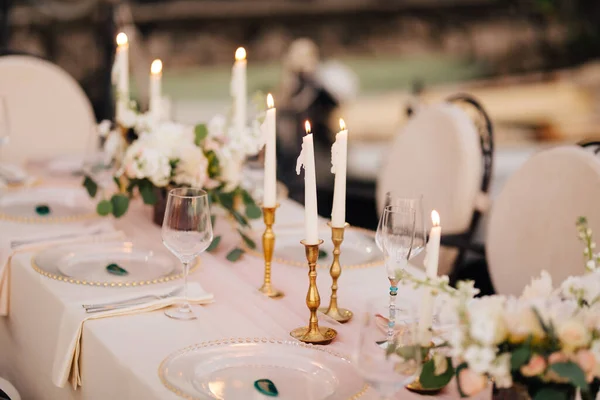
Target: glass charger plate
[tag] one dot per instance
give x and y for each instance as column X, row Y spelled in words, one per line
column 86, row 264
column 359, row 249
column 65, row 204
column 228, row 369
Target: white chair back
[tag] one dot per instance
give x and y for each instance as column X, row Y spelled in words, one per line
column 437, row 154
column 532, row 222
column 49, row 114
column 9, row 390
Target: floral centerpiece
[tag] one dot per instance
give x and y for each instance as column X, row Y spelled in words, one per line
column 151, row 156
column 543, row 345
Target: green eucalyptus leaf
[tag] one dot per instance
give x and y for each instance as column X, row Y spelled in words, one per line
column 322, row 254
column 266, row 387
column 90, row 186
column 200, row 132
column 147, row 192
column 214, row 244
column 115, row 269
column 429, row 380
column 573, row 372
column 252, row 211
column 235, row 254
column 42, row 209
column 249, row 242
column 457, row 370
column 120, row 204
column 104, row 208
column 520, row 357
column 226, row 200
column 239, row 218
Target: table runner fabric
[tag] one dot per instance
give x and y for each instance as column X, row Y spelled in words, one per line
column 120, row 357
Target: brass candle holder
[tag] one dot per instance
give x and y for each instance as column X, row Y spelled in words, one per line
column 415, row 386
column 312, row 333
column 339, row 314
column 268, row 241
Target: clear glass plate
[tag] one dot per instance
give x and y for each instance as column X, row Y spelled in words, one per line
column 359, row 249
column 228, row 370
column 65, row 204
column 87, row 262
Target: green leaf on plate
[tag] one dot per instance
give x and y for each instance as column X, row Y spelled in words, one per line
column 104, row 208
column 91, row 186
column 120, row 204
column 214, row 243
column 200, row 132
column 235, row 254
column 115, row 269
column 428, row 378
column 249, row 242
column 42, row 209
column 572, row 372
column 266, row 387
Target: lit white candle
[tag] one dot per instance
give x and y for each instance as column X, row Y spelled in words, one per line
column 339, row 155
column 307, row 158
column 431, row 269
column 239, row 90
column 270, row 182
column 122, row 73
column 156, row 89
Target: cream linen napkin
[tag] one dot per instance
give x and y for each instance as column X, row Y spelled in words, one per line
column 89, row 235
column 68, row 350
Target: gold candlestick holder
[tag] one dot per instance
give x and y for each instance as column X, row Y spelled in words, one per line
column 339, row 314
column 268, row 241
column 415, row 386
column 312, row 333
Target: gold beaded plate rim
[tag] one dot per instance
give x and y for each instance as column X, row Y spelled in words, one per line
column 66, row 279
column 230, row 341
column 47, row 220
column 286, row 261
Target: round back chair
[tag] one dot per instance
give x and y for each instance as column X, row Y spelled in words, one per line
column 48, row 113
column 532, row 223
column 444, row 156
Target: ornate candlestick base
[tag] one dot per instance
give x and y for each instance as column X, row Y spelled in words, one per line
column 313, row 333
column 268, row 240
column 339, row 314
column 415, row 386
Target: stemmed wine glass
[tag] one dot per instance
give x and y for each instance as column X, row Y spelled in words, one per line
column 186, row 232
column 385, row 370
column 420, row 222
column 397, row 238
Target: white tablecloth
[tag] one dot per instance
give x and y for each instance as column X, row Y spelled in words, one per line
column 121, row 356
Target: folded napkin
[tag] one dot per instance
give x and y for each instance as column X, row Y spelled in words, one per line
column 89, row 235
column 68, row 350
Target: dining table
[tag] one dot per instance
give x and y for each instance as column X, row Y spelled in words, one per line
column 120, row 356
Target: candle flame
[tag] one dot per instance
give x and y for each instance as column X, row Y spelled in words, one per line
column 435, row 218
column 342, row 125
column 156, row 67
column 240, row 54
column 122, row 39
column 270, row 102
column 307, row 127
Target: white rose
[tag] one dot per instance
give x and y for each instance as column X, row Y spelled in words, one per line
column 538, row 288
column 479, row 358
column 500, row 371
column 127, row 118
column 573, row 334
column 521, row 321
column 192, row 168
column 486, row 320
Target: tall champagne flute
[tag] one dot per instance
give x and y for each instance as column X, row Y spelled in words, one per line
column 186, row 232
column 387, row 372
column 398, row 236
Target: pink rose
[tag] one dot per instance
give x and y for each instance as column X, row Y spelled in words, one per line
column 587, row 362
column 535, row 366
column 557, row 357
column 471, row 382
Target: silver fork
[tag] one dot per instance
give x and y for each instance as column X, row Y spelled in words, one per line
column 130, row 302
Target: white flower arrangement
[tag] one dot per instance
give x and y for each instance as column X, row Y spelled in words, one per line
column 152, row 155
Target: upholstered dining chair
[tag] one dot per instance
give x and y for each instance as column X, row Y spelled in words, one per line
column 532, row 223
column 445, row 154
column 8, row 391
column 48, row 113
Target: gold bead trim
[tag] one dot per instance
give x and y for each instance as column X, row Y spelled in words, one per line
column 67, row 279
column 226, row 342
column 294, row 263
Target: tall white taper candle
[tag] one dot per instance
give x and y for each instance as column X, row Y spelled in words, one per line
column 239, row 91
column 270, row 182
column 307, row 158
column 431, row 269
column 156, row 89
column 339, row 155
column 122, row 71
